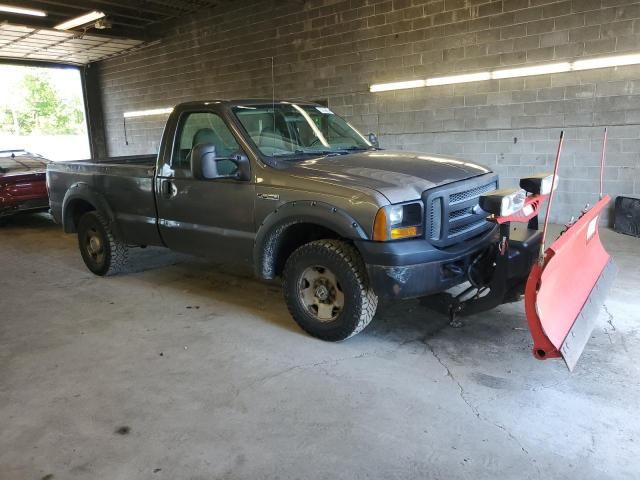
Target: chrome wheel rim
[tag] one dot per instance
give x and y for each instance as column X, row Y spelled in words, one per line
column 94, row 245
column 320, row 293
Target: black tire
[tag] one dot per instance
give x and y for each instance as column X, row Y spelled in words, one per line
column 345, row 264
column 106, row 255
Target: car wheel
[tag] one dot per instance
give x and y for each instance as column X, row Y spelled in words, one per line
column 326, row 290
column 101, row 251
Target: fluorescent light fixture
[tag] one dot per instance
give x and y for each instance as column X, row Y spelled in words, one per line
column 385, row 87
column 147, row 113
column 530, row 71
column 22, row 11
column 465, row 78
column 81, row 20
column 545, row 69
column 603, row 62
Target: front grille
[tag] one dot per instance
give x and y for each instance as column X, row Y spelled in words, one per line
column 452, row 213
column 435, row 219
column 454, row 232
column 463, row 212
column 472, row 193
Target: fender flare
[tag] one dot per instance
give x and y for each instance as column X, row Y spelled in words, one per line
column 84, row 192
column 271, row 231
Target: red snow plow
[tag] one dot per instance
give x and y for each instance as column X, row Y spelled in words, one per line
column 564, row 285
column 567, row 287
column 565, row 292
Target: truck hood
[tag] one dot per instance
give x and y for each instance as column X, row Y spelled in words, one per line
column 399, row 176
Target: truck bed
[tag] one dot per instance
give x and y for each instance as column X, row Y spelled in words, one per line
column 126, row 183
column 130, row 165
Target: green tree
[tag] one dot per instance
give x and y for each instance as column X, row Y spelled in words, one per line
column 41, row 96
column 37, row 107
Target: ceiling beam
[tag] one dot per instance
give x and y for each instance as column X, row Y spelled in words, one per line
column 86, row 7
column 184, row 6
column 167, row 12
column 111, row 7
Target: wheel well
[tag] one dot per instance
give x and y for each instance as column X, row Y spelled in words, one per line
column 73, row 212
column 286, row 241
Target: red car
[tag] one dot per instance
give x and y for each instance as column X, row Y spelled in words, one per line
column 22, row 183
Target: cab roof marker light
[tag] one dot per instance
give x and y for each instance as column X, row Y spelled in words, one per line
column 22, row 10
column 465, row 78
column 530, row 71
column 146, row 113
column 385, row 87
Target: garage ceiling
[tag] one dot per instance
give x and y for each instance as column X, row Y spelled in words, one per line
column 25, row 43
column 131, row 26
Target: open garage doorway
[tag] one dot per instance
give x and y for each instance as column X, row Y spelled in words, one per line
column 42, row 111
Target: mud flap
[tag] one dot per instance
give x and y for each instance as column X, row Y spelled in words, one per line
column 564, row 296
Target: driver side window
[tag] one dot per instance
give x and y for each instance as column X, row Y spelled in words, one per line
column 204, row 128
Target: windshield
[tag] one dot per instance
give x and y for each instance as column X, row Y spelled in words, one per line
column 290, row 130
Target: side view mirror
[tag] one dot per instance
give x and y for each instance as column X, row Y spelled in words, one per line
column 244, row 167
column 204, row 164
column 373, row 140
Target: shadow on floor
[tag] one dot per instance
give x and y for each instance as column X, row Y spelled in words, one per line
column 32, row 221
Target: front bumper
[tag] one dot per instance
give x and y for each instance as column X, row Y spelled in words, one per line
column 415, row 268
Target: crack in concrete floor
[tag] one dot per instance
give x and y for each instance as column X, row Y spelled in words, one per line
column 608, row 331
column 473, row 408
column 376, row 353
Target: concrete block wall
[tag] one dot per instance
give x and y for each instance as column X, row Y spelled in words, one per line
column 335, row 49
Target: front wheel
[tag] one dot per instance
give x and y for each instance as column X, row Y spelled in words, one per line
column 327, row 291
column 101, row 251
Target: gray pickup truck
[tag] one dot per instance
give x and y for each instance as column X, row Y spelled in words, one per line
column 295, row 191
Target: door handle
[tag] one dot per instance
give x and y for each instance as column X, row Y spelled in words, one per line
column 168, row 188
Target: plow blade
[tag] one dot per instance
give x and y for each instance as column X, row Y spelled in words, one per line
column 564, row 296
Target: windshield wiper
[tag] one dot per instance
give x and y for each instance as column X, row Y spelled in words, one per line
column 355, row 148
column 297, row 153
column 333, row 153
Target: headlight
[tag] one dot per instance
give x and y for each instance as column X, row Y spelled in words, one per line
column 541, row 183
column 396, row 214
column 394, row 222
column 503, row 202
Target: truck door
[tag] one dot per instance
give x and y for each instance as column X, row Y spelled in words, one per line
column 211, row 218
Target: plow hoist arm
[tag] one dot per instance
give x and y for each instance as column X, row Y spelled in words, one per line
column 564, row 285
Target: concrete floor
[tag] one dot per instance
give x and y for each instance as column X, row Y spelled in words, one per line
column 174, row 371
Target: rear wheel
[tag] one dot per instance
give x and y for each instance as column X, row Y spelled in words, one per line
column 326, row 290
column 101, row 251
